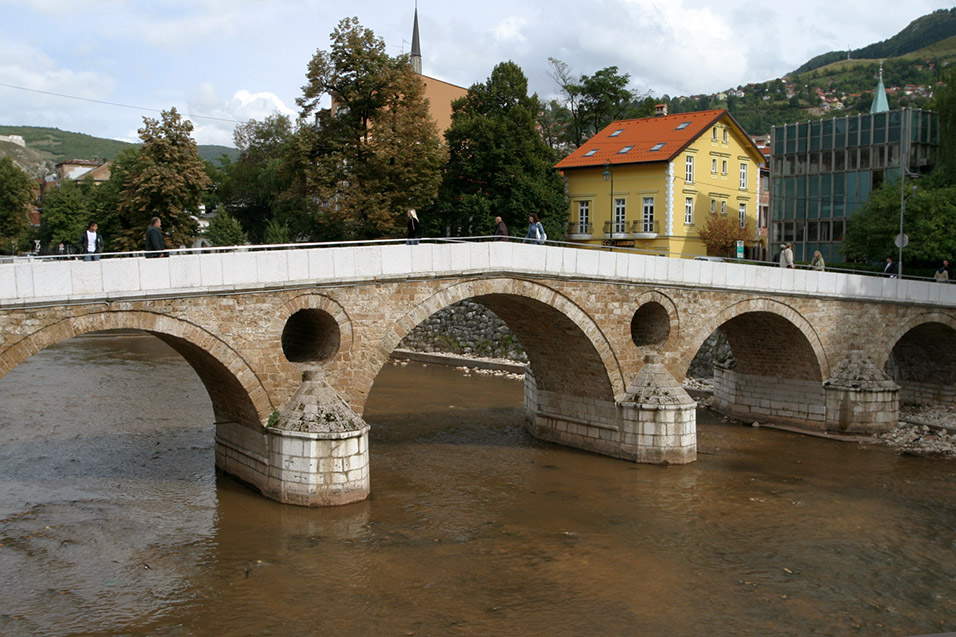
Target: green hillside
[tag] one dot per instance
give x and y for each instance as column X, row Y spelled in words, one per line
column 48, row 146
column 936, row 26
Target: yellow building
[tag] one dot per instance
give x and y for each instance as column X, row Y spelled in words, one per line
column 651, row 183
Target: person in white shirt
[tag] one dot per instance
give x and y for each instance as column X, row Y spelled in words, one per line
column 91, row 243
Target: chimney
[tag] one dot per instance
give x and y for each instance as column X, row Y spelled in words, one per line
column 660, row 110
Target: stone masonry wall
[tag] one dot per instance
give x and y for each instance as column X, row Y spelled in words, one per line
column 778, row 399
column 466, row 328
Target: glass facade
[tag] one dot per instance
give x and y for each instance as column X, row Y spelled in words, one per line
column 823, row 171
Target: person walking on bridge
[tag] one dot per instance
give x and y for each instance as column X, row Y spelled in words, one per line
column 155, row 243
column 414, row 228
column 91, row 243
column 786, row 256
column 501, row 230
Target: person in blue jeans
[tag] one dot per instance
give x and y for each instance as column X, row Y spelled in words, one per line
column 535, row 230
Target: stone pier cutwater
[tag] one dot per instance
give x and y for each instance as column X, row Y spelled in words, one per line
column 860, row 397
column 656, row 422
column 314, row 453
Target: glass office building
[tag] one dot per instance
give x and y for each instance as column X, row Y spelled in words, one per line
column 823, row 171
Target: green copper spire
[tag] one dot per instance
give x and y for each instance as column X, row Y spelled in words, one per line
column 880, row 105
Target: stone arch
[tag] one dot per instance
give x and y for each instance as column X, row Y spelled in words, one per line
column 768, row 338
column 235, row 390
column 567, row 350
column 655, row 323
column 921, row 358
column 329, row 314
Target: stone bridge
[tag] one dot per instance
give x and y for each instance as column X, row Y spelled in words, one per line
column 289, row 342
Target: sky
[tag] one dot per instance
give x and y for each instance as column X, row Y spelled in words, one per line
column 227, row 61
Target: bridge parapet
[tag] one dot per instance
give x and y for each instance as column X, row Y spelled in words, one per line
column 254, row 268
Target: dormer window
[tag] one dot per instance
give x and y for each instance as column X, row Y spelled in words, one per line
column 657, row 147
column 616, row 133
column 682, row 125
column 624, row 150
column 590, row 152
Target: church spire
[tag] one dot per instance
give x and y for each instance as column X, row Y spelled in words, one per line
column 880, row 104
column 416, row 57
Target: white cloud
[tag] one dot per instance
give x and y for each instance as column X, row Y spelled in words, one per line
column 215, row 119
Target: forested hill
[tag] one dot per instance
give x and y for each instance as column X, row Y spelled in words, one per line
column 45, row 147
column 921, row 32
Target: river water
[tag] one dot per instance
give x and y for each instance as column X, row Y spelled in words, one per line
column 114, row 521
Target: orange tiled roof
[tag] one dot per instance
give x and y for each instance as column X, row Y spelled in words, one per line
column 643, row 135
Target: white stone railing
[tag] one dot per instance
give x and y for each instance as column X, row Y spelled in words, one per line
column 37, row 281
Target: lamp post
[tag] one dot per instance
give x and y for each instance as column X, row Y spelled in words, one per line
column 609, row 175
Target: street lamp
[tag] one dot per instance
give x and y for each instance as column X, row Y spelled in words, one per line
column 609, row 175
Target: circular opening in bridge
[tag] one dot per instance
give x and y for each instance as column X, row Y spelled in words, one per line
column 651, row 325
column 310, row 336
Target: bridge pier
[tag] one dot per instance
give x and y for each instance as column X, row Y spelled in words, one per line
column 860, row 398
column 656, row 423
column 315, row 453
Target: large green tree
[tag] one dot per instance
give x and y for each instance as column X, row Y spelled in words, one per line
column 16, row 195
column 928, row 222
column 498, row 162
column 166, row 180
column 260, row 187
column 376, row 152
column 67, row 210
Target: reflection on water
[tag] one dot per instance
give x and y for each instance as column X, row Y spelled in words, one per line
column 113, row 520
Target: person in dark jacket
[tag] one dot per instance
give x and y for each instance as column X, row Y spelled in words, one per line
column 155, row 243
column 501, row 230
column 91, row 243
column 414, row 228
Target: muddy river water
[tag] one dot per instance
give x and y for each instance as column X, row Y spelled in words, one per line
column 114, row 521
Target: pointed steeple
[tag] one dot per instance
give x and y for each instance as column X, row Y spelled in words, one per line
column 416, row 57
column 880, row 104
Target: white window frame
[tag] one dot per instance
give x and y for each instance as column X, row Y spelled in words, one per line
column 742, row 215
column 688, row 210
column 713, row 166
column 714, row 138
column 725, row 136
column 584, row 216
column 620, row 215
column 647, row 214
column 723, row 208
column 743, row 176
column 713, row 206
column 689, row 169
column 723, row 167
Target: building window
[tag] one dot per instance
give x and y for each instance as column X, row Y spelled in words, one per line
column 624, row 150
column 616, row 133
column 715, row 134
column 657, row 147
column 742, row 215
column 725, row 135
column 584, row 216
column 713, row 206
column 590, row 152
column 713, row 166
column 723, row 207
column 743, row 176
column 648, row 214
column 688, row 210
column 723, row 167
column 689, row 169
column 620, row 216
column 682, row 125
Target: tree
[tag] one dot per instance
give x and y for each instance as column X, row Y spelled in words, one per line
column 721, row 233
column 167, row 181
column 16, row 195
column 67, row 210
column 945, row 106
column 376, row 152
column 498, row 163
column 224, row 230
column 928, row 222
column 260, row 186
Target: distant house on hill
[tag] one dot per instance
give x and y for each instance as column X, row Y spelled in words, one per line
column 76, row 169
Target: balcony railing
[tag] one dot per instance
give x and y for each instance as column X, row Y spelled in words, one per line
column 616, row 230
column 578, row 230
column 645, row 229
